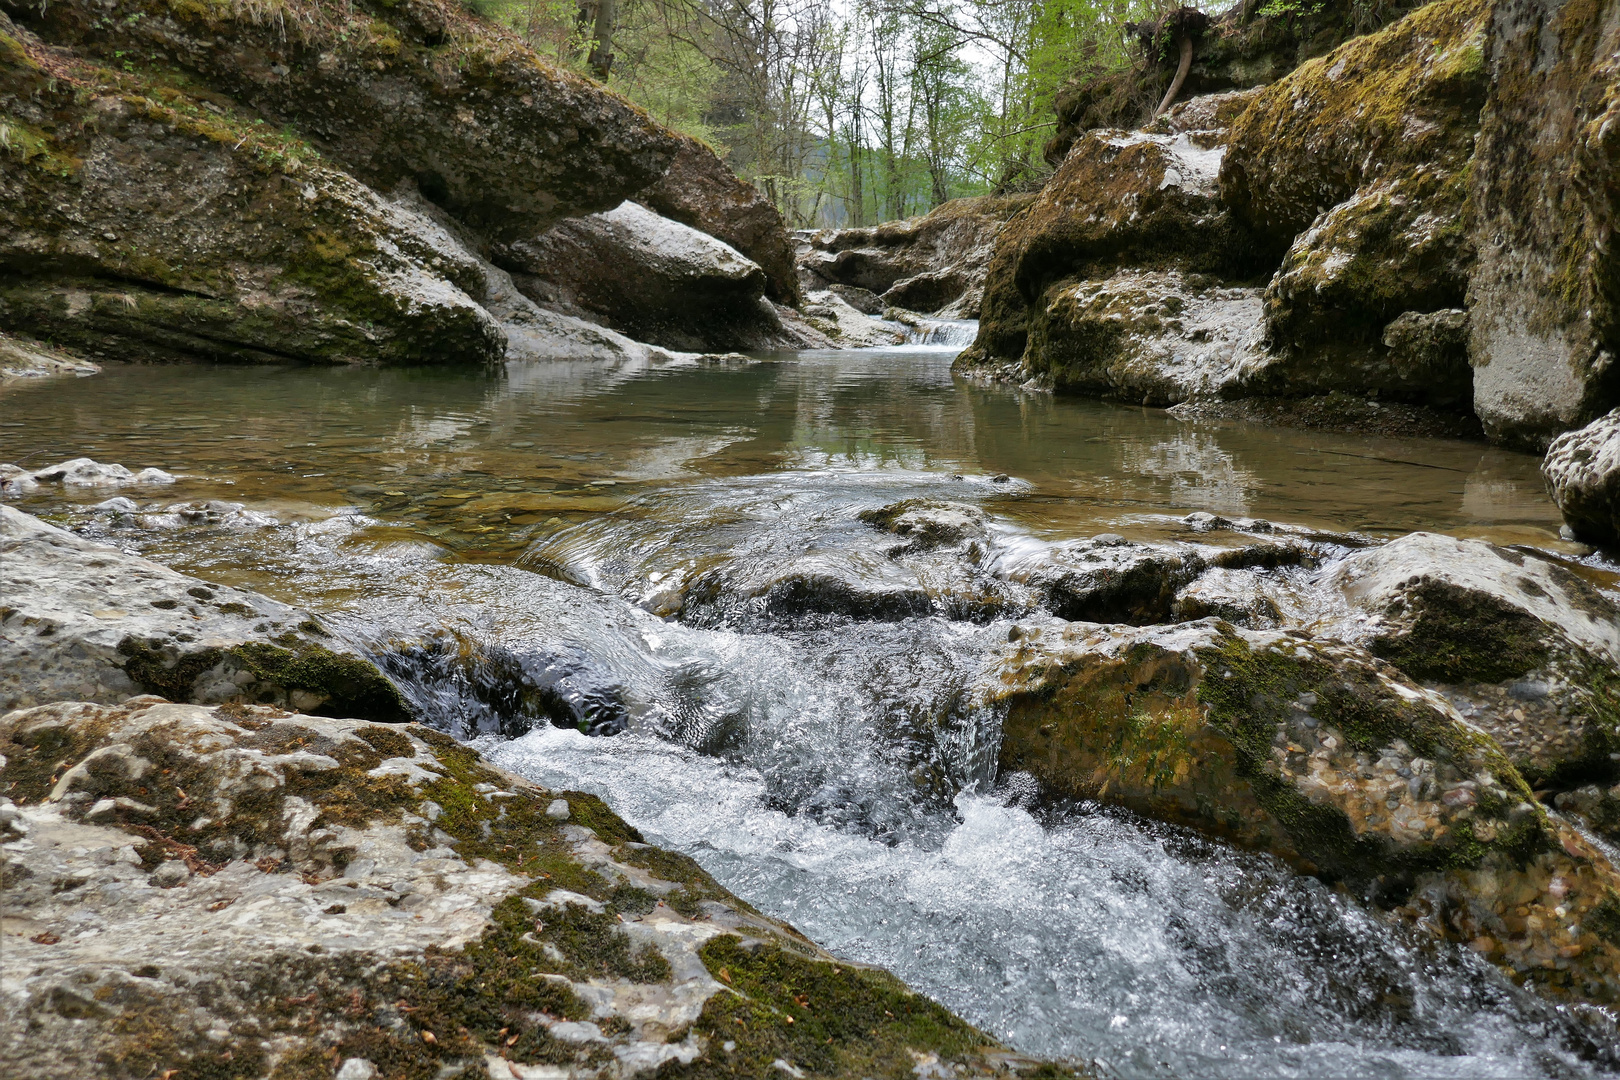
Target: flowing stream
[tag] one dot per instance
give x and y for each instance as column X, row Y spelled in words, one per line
column 544, row 520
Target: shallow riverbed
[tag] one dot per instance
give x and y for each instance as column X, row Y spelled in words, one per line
column 822, row 769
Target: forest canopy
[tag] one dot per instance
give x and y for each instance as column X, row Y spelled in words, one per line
column 845, row 113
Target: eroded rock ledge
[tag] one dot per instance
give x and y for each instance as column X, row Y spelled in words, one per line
column 248, row 892
column 84, row 621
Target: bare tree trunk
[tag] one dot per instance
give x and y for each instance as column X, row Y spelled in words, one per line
column 601, row 58
column 1181, row 74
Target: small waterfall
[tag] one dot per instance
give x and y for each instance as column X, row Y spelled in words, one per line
column 957, row 333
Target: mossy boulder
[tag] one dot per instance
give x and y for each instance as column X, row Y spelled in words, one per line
column 266, row 254
column 1325, row 756
column 1240, row 48
column 1154, row 337
column 257, row 894
column 1121, row 199
column 420, row 90
column 348, row 170
column 1355, row 167
column 1390, row 106
column 1523, row 647
column 1376, row 266
column 1582, row 470
column 86, row 621
column 1545, row 295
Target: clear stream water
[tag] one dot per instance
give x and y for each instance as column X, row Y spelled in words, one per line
column 822, row 768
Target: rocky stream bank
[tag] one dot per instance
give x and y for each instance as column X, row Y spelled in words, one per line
column 236, row 836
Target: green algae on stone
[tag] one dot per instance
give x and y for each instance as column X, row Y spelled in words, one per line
column 1319, row 753
column 345, row 684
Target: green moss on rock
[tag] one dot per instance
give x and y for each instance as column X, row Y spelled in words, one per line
column 346, row 685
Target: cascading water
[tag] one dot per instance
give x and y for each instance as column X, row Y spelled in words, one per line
column 678, row 557
column 957, row 333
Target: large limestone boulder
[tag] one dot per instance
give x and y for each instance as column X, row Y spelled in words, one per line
column 649, row 277
column 1523, row 647
column 266, row 254
column 1121, row 200
column 1582, row 470
column 421, row 90
column 1319, row 753
column 1544, row 293
column 245, row 891
column 698, row 190
column 1154, row 337
column 1355, row 169
column 935, row 263
column 83, row 621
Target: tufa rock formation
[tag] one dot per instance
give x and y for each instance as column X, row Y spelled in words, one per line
column 1391, row 192
column 348, row 169
column 248, row 892
column 85, row 622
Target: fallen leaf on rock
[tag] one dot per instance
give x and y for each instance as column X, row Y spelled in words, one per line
column 46, row 938
column 221, row 905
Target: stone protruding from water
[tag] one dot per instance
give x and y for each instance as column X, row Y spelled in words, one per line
column 83, row 621
column 1522, row 647
column 1582, row 470
column 1317, row 752
column 649, row 277
column 245, row 891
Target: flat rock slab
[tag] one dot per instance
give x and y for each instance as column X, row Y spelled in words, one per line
column 84, row 621
column 249, row 892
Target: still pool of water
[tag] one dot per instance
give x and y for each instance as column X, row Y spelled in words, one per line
column 841, row 793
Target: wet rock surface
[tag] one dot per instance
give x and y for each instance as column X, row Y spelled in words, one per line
column 83, row 621
column 255, row 892
column 1318, row 752
column 1523, row 647
column 1582, row 469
